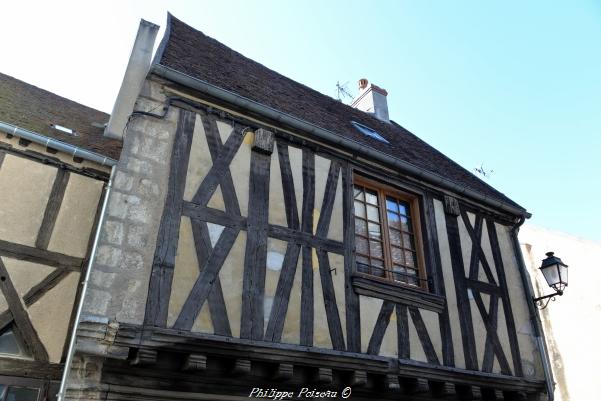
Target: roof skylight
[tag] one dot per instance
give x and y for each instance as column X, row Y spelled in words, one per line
column 369, row 132
column 64, row 130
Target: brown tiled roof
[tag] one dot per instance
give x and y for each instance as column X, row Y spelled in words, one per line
column 191, row 52
column 35, row 109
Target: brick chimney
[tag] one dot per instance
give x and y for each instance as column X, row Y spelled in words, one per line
column 372, row 99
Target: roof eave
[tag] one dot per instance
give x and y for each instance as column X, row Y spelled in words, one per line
column 276, row 115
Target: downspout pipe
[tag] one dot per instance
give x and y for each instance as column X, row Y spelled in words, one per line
column 64, row 147
column 71, row 351
column 331, row 137
column 534, row 314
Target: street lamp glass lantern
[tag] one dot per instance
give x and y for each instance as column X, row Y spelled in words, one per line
column 555, row 272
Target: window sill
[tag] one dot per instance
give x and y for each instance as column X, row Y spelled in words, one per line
column 367, row 285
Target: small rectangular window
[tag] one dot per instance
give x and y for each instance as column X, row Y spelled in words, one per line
column 387, row 239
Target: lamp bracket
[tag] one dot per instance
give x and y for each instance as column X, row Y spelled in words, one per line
column 540, row 301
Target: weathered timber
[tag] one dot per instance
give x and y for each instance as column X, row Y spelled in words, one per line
column 220, row 167
column 240, row 367
column 144, row 356
column 482, row 286
column 282, row 294
column 40, row 256
column 375, row 342
column 215, row 146
column 288, row 187
column 329, row 299
column 21, row 317
column 195, row 363
column 372, row 287
column 424, row 337
column 263, row 141
column 255, row 261
column 328, row 200
column 404, row 343
column 217, row 309
column 358, row 378
column 52, row 208
column 451, row 205
column 448, row 356
column 463, row 305
column 283, row 372
column 493, row 311
column 161, row 278
column 307, row 309
column 353, row 320
column 511, row 330
column 204, row 283
column 30, row 369
column 478, row 254
column 491, row 334
column 324, row 376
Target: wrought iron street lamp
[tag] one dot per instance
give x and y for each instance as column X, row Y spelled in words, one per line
column 556, row 274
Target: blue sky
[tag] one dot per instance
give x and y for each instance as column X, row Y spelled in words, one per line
column 512, row 85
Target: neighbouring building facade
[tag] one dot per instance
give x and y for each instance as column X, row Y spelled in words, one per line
column 52, row 179
column 259, row 235
column 262, row 235
column 578, row 311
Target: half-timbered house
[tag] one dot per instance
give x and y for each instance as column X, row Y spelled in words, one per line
column 54, row 162
column 263, row 235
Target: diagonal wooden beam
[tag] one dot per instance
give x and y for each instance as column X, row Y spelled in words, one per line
column 288, row 187
column 424, row 337
column 493, row 311
column 161, row 278
column 40, row 256
column 204, row 283
column 216, row 147
column 477, row 246
column 21, row 317
column 279, row 309
column 329, row 299
column 329, row 197
column 217, row 308
column 52, row 208
column 403, row 339
column 375, row 342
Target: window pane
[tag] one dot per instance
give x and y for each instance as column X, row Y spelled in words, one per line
column 397, row 255
column 410, row 258
column 411, row 277
column 398, row 273
column 375, row 248
column 394, row 220
column 404, row 208
column 405, row 224
column 361, row 227
column 374, row 230
column 359, row 209
column 362, row 264
column 395, row 237
column 408, row 241
column 358, row 193
column 371, row 197
column 22, row 394
column 361, row 244
column 391, row 204
column 372, row 213
column 377, row 268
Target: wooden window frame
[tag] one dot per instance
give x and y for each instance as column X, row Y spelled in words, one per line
column 412, row 200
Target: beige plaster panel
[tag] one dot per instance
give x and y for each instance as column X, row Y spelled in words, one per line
column 478, row 325
column 276, row 250
column 447, row 273
column 337, row 262
column 75, row 218
column 503, row 334
column 370, row 308
column 240, row 170
column 203, row 322
column 390, row 342
column 277, row 208
column 186, row 270
column 216, row 201
column 415, row 346
column 486, row 247
column 432, row 325
column 291, row 332
column 51, row 314
column 23, row 275
column 528, row 349
column 296, row 165
column 225, row 130
column 200, row 160
column 336, row 229
column 231, row 276
column 321, row 331
column 24, row 190
column 322, row 169
column 63, row 157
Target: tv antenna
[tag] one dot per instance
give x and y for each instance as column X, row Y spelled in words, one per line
column 483, row 172
column 342, row 91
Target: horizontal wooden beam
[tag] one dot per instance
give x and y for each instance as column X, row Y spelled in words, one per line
column 40, row 256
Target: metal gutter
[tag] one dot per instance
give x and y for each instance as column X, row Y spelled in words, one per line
column 64, row 147
column 84, row 289
column 329, row 136
column 534, row 315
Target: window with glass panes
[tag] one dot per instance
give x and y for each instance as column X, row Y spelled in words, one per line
column 385, row 240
